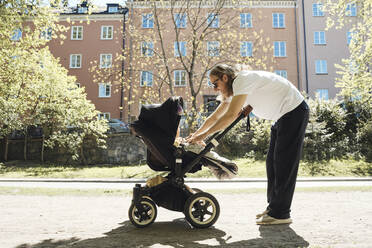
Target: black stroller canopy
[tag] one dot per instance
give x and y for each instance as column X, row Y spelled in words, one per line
column 157, row 125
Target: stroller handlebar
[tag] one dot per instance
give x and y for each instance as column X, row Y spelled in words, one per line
column 217, row 136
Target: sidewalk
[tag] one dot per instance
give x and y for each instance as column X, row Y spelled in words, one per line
column 341, row 219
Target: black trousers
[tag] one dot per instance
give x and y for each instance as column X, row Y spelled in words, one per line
column 283, row 158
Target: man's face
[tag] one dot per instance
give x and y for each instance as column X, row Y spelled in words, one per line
column 219, row 84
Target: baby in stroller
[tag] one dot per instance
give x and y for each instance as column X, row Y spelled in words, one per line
column 157, row 126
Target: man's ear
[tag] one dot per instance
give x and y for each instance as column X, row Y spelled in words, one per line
column 225, row 78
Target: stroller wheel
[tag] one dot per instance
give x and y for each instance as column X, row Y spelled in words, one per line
column 144, row 218
column 202, row 210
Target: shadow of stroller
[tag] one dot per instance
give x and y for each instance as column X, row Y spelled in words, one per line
column 177, row 233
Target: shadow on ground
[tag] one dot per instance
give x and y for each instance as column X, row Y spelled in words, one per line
column 178, row 233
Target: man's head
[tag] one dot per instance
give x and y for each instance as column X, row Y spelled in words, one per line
column 222, row 76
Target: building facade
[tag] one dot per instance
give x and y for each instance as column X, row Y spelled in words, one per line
column 126, row 57
column 92, row 51
column 321, row 49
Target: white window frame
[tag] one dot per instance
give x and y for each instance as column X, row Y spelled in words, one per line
column 214, row 45
column 105, row 60
column 322, row 94
column 182, row 48
column 282, row 51
column 82, row 10
column 46, row 33
column 106, row 87
column 17, row 34
column 351, row 9
column 213, row 20
column 105, row 35
column 180, row 20
column 76, row 30
column 147, row 48
column 77, row 84
column 246, row 48
column 148, row 20
column 148, row 80
column 113, row 9
column 246, row 20
column 321, row 66
column 179, row 78
column 104, row 115
column 276, row 20
column 74, row 61
column 317, row 9
column 319, row 38
column 282, row 73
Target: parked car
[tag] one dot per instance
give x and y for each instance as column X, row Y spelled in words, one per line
column 117, row 126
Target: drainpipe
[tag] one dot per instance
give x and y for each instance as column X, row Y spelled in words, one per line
column 305, row 47
column 125, row 11
column 297, row 53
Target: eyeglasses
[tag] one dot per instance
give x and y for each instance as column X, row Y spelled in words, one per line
column 215, row 83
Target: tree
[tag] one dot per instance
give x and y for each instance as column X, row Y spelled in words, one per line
column 35, row 90
column 176, row 44
column 355, row 72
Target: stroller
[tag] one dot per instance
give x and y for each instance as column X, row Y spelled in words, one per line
column 157, row 126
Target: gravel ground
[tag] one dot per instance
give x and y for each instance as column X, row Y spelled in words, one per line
column 321, row 219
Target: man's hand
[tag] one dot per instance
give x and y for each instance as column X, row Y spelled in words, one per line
column 196, row 139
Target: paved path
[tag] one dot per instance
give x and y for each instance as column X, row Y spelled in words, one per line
column 321, row 219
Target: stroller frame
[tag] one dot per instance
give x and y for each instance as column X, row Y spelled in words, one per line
column 197, row 204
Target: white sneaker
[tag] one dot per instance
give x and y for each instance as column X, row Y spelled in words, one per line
column 268, row 220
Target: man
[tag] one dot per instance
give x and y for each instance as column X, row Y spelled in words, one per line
column 273, row 98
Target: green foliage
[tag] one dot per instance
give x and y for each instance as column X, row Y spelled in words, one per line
column 35, row 90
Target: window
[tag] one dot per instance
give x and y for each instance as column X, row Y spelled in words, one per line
column 147, row 21
column 278, row 20
column 113, row 9
column 146, row 78
column 75, row 61
column 17, row 34
column 179, row 78
column 246, row 48
column 318, row 9
column 322, row 94
column 213, row 48
column 147, row 48
column 321, row 66
column 350, row 36
column 107, row 32
column 282, row 73
column 180, row 20
column 77, row 85
column 82, row 10
column 77, row 33
column 351, row 9
column 105, row 60
column 104, row 90
column 246, row 20
column 179, row 47
column 213, row 20
column 104, row 116
column 46, row 34
column 319, row 38
column 280, row 49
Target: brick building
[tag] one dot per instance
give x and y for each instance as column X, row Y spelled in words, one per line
column 287, row 37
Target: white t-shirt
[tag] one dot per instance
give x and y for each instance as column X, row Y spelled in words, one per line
column 270, row 95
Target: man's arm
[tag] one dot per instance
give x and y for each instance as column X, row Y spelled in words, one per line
column 220, row 110
column 221, row 123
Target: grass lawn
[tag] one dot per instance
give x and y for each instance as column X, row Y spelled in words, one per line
column 247, row 168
